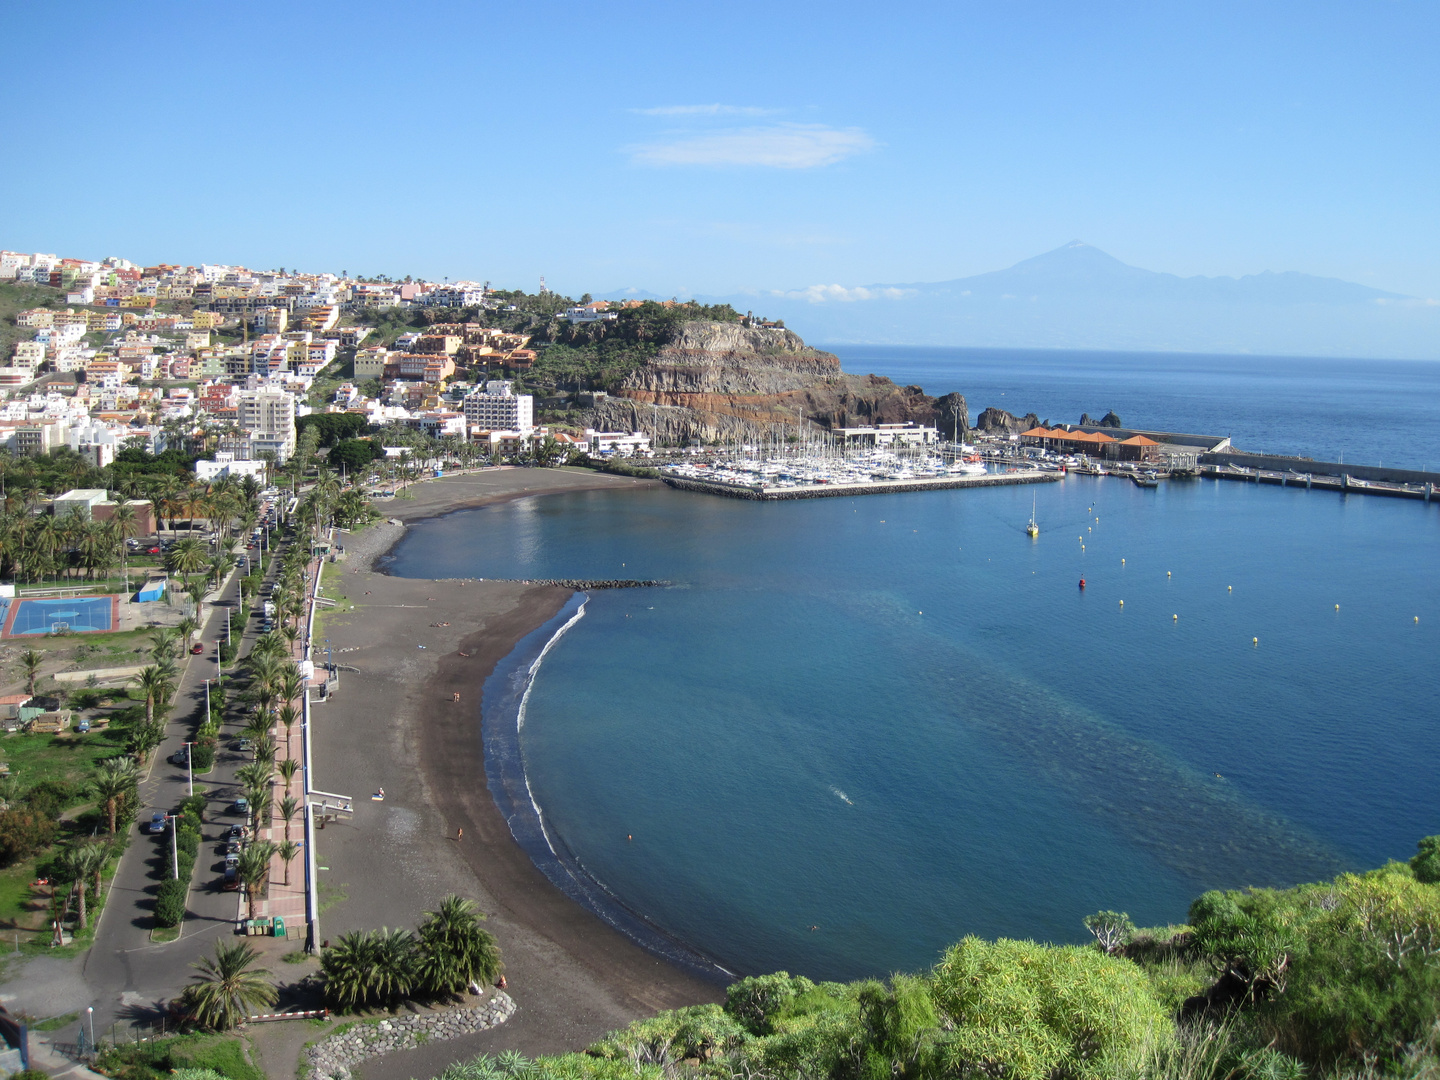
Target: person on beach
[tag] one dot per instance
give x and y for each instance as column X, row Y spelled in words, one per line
column 460, row 834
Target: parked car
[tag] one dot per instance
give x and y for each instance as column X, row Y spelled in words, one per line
column 240, row 806
column 197, row 649
column 231, row 881
column 156, row 824
column 181, row 756
column 83, row 726
column 237, row 832
column 244, row 744
column 232, row 857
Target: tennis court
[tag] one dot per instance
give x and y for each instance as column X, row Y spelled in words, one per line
column 74, row 615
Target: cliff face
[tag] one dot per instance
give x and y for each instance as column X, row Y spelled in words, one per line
column 725, row 381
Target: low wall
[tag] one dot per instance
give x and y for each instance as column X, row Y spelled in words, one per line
column 1278, row 463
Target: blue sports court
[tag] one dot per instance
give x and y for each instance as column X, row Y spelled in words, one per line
column 52, row 615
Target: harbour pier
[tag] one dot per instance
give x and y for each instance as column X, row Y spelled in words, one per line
column 765, row 493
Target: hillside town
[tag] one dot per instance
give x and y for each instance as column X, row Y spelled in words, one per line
column 221, row 361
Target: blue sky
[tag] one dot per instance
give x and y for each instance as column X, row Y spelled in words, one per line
column 713, row 148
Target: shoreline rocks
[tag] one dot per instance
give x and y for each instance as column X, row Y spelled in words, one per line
column 333, row 1057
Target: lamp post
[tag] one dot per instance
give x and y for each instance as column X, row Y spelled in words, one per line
column 90, row 1015
column 190, row 754
column 174, row 847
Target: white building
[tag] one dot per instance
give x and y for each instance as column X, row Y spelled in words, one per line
column 590, row 314
column 621, row 443
column 499, row 408
column 225, row 464
column 461, row 294
column 269, row 418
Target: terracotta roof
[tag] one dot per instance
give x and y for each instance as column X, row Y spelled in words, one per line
column 1138, row 440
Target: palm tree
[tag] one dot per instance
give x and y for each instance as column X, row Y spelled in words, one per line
column 73, row 866
column 154, row 684
column 31, row 660
column 113, row 780
column 227, row 987
column 97, row 854
column 287, row 851
column 347, row 968
column 186, row 628
column 187, row 556
column 288, row 768
column 292, row 683
column 256, row 774
column 454, row 951
column 126, row 524
column 85, row 861
column 287, row 715
column 264, row 750
column 162, row 643
column 288, row 807
column 253, row 869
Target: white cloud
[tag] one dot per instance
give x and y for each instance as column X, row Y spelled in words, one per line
column 706, row 110
column 821, row 294
column 783, row 146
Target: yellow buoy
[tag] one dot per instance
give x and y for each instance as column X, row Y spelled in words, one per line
column 1122, row 562
column 1254, row 641
column 1167, row 573
column 1175, row 617
column 1337, row 607
column 1229, row 588
column 1122, row 603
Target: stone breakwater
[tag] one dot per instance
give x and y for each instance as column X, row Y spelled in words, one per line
column 879, row 487
column 332, row 1058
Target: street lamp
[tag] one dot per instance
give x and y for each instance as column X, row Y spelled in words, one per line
column 190, row 754
column 174, row 847
column 90, row 1015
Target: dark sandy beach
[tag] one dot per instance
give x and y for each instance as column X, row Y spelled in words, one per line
column 396, row 725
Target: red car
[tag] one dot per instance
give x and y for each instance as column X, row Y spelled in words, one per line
column 196, row 649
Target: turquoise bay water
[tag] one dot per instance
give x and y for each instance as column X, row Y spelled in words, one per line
column 897, row 720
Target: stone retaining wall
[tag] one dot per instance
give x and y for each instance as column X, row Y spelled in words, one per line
column 333, row 1057
column 879, row 487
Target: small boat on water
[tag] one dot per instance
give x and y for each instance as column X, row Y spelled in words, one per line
column 1145, row 480
column 1032, row 530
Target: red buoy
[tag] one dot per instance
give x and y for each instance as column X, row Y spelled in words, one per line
column 1082, row 583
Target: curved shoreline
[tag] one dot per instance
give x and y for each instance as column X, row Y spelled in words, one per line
column 504, row 700
column 411, row 721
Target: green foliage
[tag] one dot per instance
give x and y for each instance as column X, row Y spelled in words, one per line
column 700, row 1031
column 1112, row 929
column 332, row 428
column 453, row 950
column 193, row 804
column 1426, row 864
column 188, row 1057
column 170, row 901
column 1037, row 1011
column 354, row 453
column 202, row 757
column 756, row 1000
column 23, row 832
column 227, row 987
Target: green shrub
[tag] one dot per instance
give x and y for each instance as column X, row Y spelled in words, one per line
column 193, row 804
column 202, row 757
column 188, row 841
column 170, row 901
column 1035, row 1011
column 224, row 1056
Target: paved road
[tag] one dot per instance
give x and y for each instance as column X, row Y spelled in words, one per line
column 130, row 976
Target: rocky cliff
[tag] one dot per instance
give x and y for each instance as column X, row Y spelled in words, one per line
column 717, row 380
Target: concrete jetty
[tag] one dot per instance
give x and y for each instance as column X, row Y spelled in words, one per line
column 874, row 487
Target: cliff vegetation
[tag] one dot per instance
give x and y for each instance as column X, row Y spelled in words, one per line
column 1338, row 979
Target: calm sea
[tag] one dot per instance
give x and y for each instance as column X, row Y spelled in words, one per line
column 857, row 729
column 1369, row 412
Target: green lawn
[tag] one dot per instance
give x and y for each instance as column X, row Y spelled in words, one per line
column 67, row 757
